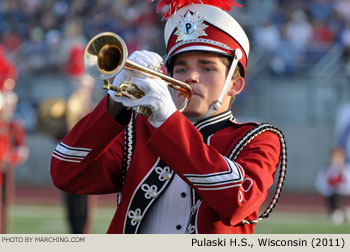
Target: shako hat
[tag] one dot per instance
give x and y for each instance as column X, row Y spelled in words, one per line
column 203, row 25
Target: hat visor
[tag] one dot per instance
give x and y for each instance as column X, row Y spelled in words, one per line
column 198, row 48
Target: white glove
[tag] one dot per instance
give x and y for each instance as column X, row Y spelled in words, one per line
column 157, row 98
column 145, row 58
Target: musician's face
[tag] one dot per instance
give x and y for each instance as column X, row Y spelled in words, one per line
column 206, row 73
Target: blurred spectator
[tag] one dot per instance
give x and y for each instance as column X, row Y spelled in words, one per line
column 334, row 182
column 286, row 58
column 342, row 128
column 342, row 8
column 75, row 63
column 320, row 9
column 321, row 41
column 299, row 30
column 344, row 140
column 53, row 41
column 267, row 36
column 73, row 37
column 33, row 29
column 10, row 40
column 321, row 33
column 71, row 56
column 345, row 42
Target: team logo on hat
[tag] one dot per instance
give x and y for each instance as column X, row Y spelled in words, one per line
column 190, row 26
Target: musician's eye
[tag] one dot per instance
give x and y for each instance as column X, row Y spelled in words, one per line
column 179, row 70
column 208, row 69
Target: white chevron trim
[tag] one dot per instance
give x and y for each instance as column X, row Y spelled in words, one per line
column 72, row 152
column 65, row 159
column 234, row 174
column 75, row 148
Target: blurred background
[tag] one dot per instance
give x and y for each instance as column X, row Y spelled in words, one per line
column 298, row 79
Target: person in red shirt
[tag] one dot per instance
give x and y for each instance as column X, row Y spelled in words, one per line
column 12, row 137
column 15, row 152
column 199, row 171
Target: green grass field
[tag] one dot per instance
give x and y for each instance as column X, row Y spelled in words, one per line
column 300, row 223
column 27, row 219
column 30, row 219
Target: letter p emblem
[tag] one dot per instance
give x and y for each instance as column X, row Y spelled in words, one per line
column 189, row 28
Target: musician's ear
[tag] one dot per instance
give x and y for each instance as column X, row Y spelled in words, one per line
column 237, row 86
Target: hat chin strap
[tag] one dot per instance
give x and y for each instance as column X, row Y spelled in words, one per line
column 217, row 104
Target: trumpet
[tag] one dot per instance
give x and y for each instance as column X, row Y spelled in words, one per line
column 106, row 55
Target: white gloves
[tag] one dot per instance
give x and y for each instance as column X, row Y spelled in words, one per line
column 157, row 96
column 145, row 58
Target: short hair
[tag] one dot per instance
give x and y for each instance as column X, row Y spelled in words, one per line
column 227, row 60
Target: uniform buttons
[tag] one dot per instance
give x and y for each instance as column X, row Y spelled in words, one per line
column 183, row 195
column 178, row 227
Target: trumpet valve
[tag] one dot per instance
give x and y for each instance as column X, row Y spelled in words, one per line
column 144, row 111
column 130, row 90
column 107, row 85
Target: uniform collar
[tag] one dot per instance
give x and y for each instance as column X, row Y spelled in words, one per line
column 210, row 125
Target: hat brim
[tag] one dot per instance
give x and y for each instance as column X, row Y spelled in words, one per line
column 198, row 48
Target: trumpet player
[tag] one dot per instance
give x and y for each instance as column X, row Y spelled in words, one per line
column 196, row 171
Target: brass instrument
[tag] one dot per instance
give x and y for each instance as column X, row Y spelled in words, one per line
column 52, row 117
column 106, row 55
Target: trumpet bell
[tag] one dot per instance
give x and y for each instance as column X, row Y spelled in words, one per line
column 105, row 55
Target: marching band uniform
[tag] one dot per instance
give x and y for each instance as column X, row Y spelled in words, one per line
column 13, row 149
column 4, row 145
column 224, row 192
column 18, row 143
column 16, row 154
column 214, row 171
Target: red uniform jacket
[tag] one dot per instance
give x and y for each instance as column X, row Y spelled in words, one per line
column 18, row 140
column 12, row 138
column 91, row 160
column 4, row 146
